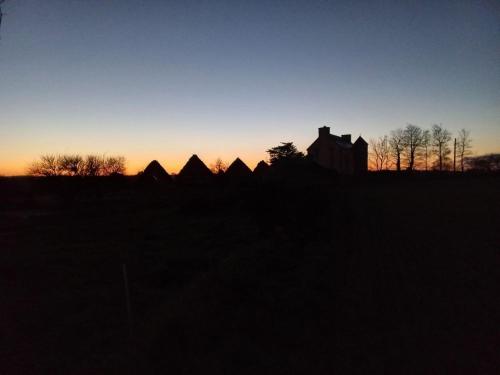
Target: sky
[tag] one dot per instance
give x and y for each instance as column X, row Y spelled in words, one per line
column 166, row 79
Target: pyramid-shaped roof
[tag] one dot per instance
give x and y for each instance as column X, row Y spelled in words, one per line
column 195, row 168
column 261, row 168
column 360, row 140
column 156, row 172
column 238, row 169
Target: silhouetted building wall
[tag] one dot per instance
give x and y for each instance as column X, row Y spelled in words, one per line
column 360, row 155
column 339, row 153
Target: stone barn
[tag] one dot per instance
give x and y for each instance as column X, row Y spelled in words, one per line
column 338, row 153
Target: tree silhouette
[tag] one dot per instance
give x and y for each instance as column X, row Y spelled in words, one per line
column 464, row 146
column 412, row 141
column 380, row 152
column 285, row 151
column 75, row 165
column 48, row 166
column 425, row 149
column 484, row 163
column 113, row 165
column 396, row 143
column 71, row 165
column 93, row 165
column 219, row 167
column 440, row 143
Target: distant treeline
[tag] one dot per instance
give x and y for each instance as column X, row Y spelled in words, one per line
column 486, row 163
column 77, row 165
column 425, row 149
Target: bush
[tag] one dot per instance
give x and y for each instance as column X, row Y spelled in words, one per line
column 75, row 165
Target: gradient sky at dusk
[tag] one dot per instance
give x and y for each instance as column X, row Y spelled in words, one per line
column 165, row 79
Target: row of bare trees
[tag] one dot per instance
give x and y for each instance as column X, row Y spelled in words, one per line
column 77, row 165
column 415, row 148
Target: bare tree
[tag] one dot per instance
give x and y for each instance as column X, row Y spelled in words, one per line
column 113, row 165
column 396, row 144
column 425, row 148
column 71, row 165
column 94, row 165
column 380, row 152
column 412, row 141
column 219, row 167
column 75, row 165
column 48, row 166
column 441, row 148
column 464, row 147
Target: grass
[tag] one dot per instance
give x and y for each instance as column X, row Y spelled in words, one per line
column 377, row 275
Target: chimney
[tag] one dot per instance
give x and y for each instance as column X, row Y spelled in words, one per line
column 346, row 138
column 324, row 132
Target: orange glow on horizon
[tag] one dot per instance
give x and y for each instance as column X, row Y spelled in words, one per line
column 17, row 161
column 136, row 165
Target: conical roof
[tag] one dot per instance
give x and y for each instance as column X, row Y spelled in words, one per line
column 238, row 169
column 195, row 168
column 360, row 140
column 156, row 172
column 261, row 168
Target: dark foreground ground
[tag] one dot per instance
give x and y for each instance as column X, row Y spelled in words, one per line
column 378, row 275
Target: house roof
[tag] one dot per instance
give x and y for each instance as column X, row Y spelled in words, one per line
column 238, row 169
column 333, row 139
column 155, row 171
column 195, row 168
column 360, row 140
column 261, row 168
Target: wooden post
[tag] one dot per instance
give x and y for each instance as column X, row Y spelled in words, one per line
column 127, row 298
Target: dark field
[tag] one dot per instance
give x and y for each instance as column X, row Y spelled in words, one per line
column 375, row 275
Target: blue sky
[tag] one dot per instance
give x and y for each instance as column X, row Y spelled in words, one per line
column 165, row 79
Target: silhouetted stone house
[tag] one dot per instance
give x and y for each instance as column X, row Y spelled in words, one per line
column 155, row 172
column 238, row 169
column 261, row 169
column 195, row 171
column 339, row 153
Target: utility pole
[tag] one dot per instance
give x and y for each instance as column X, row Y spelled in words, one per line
column 455, row 156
